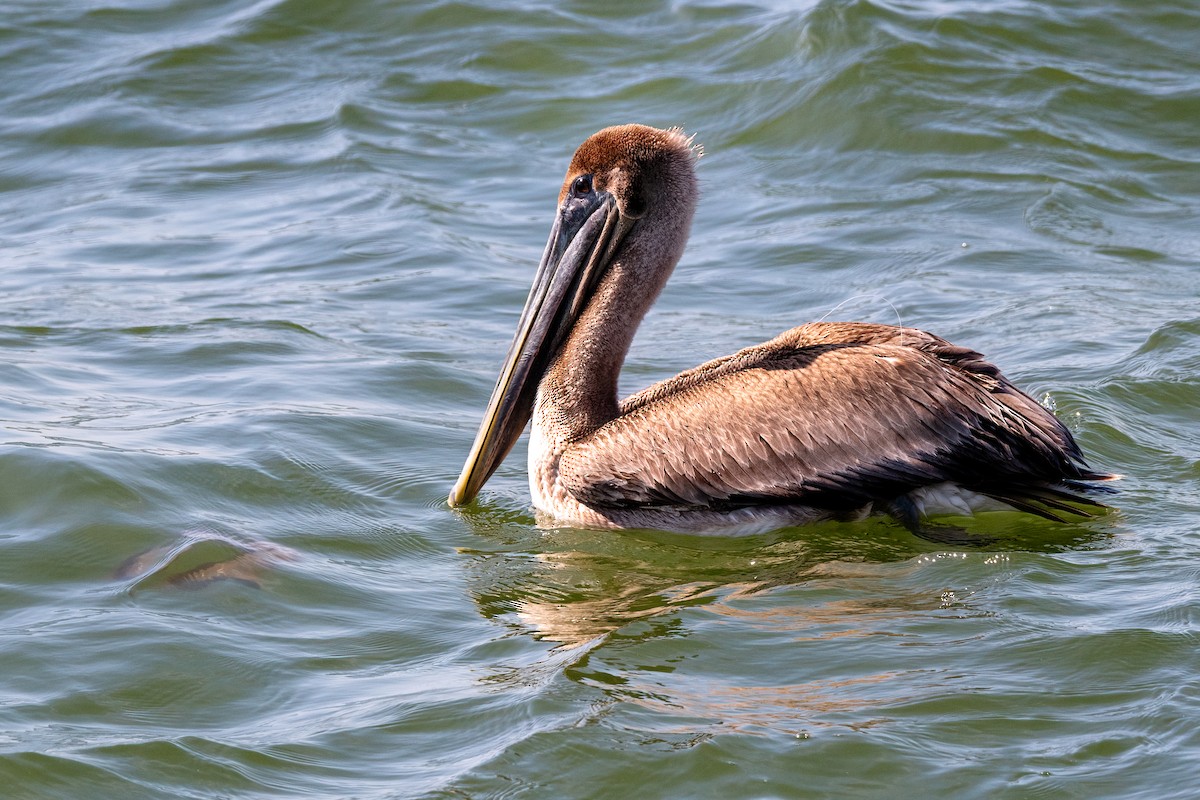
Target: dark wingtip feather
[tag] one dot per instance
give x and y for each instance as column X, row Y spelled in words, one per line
column 1027, row 504
column 1045, row 500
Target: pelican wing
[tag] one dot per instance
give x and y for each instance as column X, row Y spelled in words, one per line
column 830, row 415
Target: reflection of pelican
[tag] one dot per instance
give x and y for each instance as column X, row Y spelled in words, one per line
column 825, row 420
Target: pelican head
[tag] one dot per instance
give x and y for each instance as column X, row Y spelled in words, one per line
column 623, row 216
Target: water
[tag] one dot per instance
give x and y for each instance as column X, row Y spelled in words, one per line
column 260, row 264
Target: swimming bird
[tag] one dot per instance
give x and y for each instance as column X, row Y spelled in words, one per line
column 827, row 420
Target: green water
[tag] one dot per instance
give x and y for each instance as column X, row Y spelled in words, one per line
column 260, row 261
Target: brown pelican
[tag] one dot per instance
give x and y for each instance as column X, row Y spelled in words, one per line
column 827, row 420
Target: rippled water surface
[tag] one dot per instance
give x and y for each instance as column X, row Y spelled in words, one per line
column 260, row 262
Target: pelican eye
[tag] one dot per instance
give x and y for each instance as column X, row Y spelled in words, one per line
column 582, row 186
